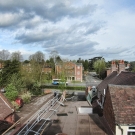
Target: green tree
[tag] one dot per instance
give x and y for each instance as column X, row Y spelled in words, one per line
column 86, row 65
column 132, row 66
column 100, row 67
column 10, row 68
column 16, row 80
column 11, row 92
column 92, row 61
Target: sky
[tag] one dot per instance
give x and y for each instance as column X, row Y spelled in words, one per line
column 74, row 28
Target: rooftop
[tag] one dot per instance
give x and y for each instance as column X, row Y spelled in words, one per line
column 69, row 121
column 123, row 78
column 123, row 102
column 5, row 107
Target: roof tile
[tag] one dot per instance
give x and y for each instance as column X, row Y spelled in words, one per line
column 123, row 107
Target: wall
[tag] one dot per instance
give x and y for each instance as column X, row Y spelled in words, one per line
column 108, row 111
column 125, row 130
column 78, row 73
column 71, row 70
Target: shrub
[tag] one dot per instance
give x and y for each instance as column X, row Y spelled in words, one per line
column 26, row 97
column 11, row 92
column 16, row 106
column 36, row 89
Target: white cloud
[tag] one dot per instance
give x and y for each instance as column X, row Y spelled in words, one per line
column 78, row 29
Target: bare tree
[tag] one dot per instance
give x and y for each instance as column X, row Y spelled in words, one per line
column 4, row 55
column 38, row 57
column 54, row 55
column 16, row 56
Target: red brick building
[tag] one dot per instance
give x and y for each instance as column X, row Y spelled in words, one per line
column 47, row 68
column 119, row 109
column 73, row 71
column 116, row 98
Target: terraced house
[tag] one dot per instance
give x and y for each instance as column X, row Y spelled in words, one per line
column 116, row 100
column 73, row 71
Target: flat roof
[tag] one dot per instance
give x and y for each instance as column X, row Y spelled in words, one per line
column 69, row 121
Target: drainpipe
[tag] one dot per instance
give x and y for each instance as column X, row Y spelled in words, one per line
column 120, row 128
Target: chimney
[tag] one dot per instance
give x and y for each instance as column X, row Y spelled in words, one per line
column 121, row 66
column 113, row 66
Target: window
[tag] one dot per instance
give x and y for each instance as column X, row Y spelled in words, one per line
column 78, row 67
column 131, row 133
column 131, row 130
column 78, row 73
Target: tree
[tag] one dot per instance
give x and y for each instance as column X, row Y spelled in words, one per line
column 10, row 68
column 54, row 55
column 11, row 92
column 100, row 67
column 16, row 80
column 4, row 55
column 91, row 62
column 38, row 57
column 86, row 65
column 132, row 66
column 16, row 56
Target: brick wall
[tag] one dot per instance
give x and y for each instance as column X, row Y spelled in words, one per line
column 47, row 70
column 78, row 73
column 72, row 70
column 108, row 111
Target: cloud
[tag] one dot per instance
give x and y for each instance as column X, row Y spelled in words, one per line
column 68, row 39
column 51, row 11
column 83, row 29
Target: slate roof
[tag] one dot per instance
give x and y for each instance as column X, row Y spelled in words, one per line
column 5, row 107
column 106, row 81
column 123, row 102
column 123, row 78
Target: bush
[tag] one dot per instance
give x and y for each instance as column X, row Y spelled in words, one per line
column 26, row 97
column 66, row 87
column 11, row 92
column 16, row 106
column 36, row 89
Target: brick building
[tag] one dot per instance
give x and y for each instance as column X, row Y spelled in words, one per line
column 116, row 100
column 121, row 66
column 47, row 68
column 73, row 71
column 119, row 109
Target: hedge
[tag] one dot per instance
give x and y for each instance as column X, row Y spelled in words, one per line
column 66, row 87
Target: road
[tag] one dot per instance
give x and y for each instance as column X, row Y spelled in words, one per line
column 89, row 81
column 92, row 81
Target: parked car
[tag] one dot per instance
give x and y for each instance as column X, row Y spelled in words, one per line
column 19, row 101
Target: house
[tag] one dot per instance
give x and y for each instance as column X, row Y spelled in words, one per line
column 115, row 100
column 121, row 66
column 119, row 109
column 73, row 71
column 47, row 68
column 7, row 113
